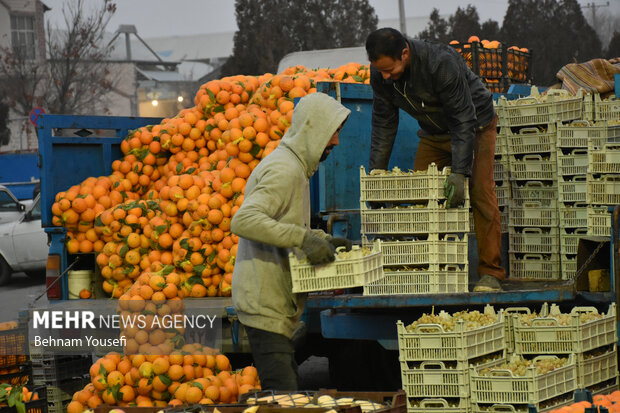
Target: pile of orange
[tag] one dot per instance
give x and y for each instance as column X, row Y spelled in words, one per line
column 191, row 375
column 490, row 64
column 609, row 401
column 171, row 198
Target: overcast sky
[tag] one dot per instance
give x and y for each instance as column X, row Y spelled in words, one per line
column 154, row 18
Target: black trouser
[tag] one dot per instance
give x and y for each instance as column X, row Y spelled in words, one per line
column 274, row 358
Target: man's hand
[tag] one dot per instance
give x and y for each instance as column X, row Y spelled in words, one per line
column 317, row 249
column 454, row 190
column 341, row 242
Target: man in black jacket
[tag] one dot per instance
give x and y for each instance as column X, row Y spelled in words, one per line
column 458, row 128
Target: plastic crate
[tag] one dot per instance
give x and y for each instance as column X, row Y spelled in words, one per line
column 573, row 163
column 12, row 360
column 532, row 140
column 604, row 159
column 599, row 221
column 534, row 267
column 565, row 399
column 439, row 405
column 608, row 109
column 501, row 170
column 501, row 386
column 501, row 143
column 604, row 190
column 448, row 250
column 411, row 220
column 58, row 369
column 354, row 271
column 556, row 106
column 13, row 342
column 34, row 406
column 573, row 216
column 534, row 240
column 597, row 366
column 405, row 186
column 433, row 280
column 569, row 266
column 546, row 336
column 570, row 240
column 17, row 375
column 431, row 342
column 534, row 168
column 509, row 332
column 533, row 191
column 503, row 194
column 573, row 191
column 534, row 214
column 579, row 133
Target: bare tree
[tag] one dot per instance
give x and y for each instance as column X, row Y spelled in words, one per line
column 76, row 73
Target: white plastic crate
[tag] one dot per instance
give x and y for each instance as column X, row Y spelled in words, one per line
column 503, row 387
column 439, row 405
column 532, row 140
column 604, row 190
column 503, row 194
column 433, row 280
column 411, row 220
column 569, row 266
column 578, row 133
column 569, row 241
column 504, row 219
column 534, row 214
column 448, row 250
column 573, row 163
column 354, row 271
column 556, row 106
column 534, row 266
column 533, row 191
column 599, row 221
column 534, row 168
column 534, row 240
column 508, row 329
column 544, row 407
column 597, row 366
column 501, row 170
column 546, row 336
column 501, row 144
column 604, row 159
column 607, row 109
column 573, row 216
column 573, row 190
column 605, row 388
column 404, row 186
column 430, row 341
column 438, row 378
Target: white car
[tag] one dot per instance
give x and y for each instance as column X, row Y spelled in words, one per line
column 23, row 244
column 10, row 208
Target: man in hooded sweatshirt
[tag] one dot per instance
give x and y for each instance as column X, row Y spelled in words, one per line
column 275, row 217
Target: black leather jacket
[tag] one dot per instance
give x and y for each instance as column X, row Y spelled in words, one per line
column 442, row 93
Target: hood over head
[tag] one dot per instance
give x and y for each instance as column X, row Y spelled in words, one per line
column 315, row 120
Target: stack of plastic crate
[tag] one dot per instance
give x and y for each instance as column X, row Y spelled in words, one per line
column 502, row 175
column 62, row 375
column 530, row 125
column 423, row 244
column 435, row 362
column 584, row 332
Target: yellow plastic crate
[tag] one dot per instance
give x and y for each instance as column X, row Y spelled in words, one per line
column 604, row 190
column 509, row 333
column 579, row 133
column 534, row 267
column 439, row 405
column 534, row 214
column 504, row 387
column 574, row 162
column 501, row 170
column 608, row 109
column 573, row 216
column 450, row 249
column 533, row 241
column 565, row 399
column 501, row 143
column 533, row 191
column 431, row 342
column 433, row 280
column 570, row 241
column 569, row 266
column 573, row 190
column 532, row 140
column 604, row 159
column 556, row 106
column 534, row 168
column 503, row 194
column 599, row 221
column 546, row 336
column 356, row 270
column 597, row 366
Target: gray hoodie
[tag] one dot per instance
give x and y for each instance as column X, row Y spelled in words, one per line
column 275, row 216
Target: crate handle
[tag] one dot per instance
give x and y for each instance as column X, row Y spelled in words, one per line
column 611, row 146
column 532, row 204
column 436, row 364
column 451, row 267
column 533, row 257
column 502, row 408
column 530, row 131
column 539, row 358
column 545, row 321
column 434, row 402
column 534, row 184
column 527, row 101
column 532, row 231
column 611, row 178
column 532, row 157
column 581, row 231
column 581, row 123
column 501, row 373
column 579, row 152
column 577, row 179
column 517, row 310
column 438, row 328
column 451, row 237
column 577, row 310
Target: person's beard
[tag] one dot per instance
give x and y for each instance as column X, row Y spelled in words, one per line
column 326, row 152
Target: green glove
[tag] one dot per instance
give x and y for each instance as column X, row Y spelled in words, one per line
column 317, row 249
column 454, row 190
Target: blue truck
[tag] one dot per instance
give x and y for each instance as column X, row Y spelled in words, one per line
column 344, row 327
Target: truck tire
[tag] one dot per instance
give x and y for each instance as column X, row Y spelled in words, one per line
column 5, row 272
